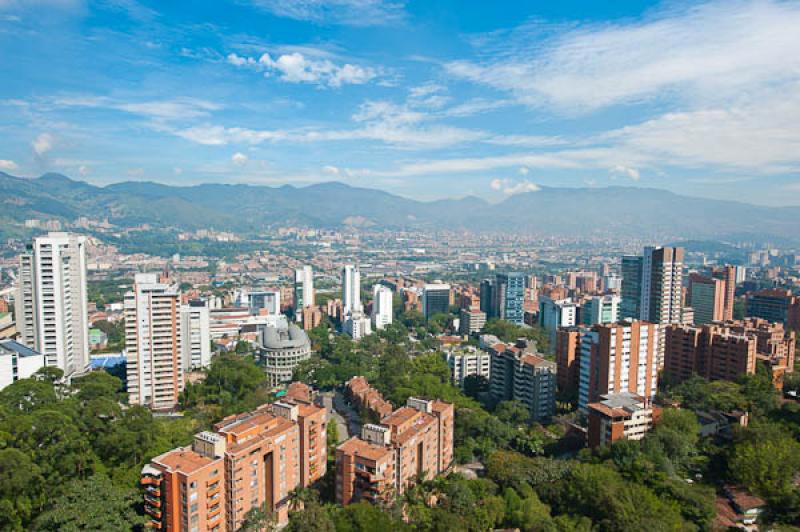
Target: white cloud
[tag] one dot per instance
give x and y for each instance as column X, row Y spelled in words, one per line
column 625, row 171
column 523, row 170
column 239, row 159
column 84, row 170
column 296, row 67
column 346, row 12
column 43, row 144
column 510, row 187
column 7, row 164
column 176, row 108
column 703, row 52
column 331, row 170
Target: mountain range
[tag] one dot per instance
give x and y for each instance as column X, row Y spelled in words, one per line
column 628, row 212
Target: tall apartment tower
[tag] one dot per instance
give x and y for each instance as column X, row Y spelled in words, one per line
column 52, row 308
column 153, row 343
column 509, row 297
column 303, row 290
column 195, row 336
column 556, row 313
column 381, row 306
column 728, row 274
column 351, row 289
column 618, row 357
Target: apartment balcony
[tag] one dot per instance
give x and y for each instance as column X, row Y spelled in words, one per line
column 148, row 480
column 154, row 524
column 152, row 501
column 152, row 512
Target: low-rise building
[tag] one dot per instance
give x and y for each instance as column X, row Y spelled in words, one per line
column 466, row 361
column 281, row 350
column 618, row 416
column 522, row 375
column 17, row 362
column 365, row 397
column 471, row 321
column 412, row 442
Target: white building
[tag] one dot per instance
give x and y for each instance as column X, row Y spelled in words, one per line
column 17, row 362
column 601, row 309
column 152, row 343
column 195, row 336
column 357, row 325
column 556, row 313
column 52, row 308
column 282, row 349
column 381, row 306
column 468, row 361
column 351, row 289
column 303, row 291
column 266, row 300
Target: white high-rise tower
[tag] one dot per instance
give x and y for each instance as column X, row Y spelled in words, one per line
column 52, row 308
column 351, row 290
column 381, row 306
column 303, row 290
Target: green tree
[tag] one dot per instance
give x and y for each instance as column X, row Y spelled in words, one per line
column 766, row 461
column 258, row 519
column 91, row 504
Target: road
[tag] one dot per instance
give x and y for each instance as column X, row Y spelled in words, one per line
column 341, row 423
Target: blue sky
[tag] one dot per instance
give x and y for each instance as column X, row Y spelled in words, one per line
column 427, row 99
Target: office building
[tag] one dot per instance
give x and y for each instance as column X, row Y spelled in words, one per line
column 471, row 321
column 17, row 362
column 51, row 301
column 509, row 297
column 601, row 309
column 520, row 375
column 466, row 361
column 707, row 297
column 381, row 306
column 620, row 416
column 269, row 301
column 728, row 350
column 555, row 313
column 652, row 285
column 618, row 357
column 303, row 290
column 351, row 290
column 248, row 461
column 775, row 305
column 413, row 441
column 152, row 343
column 195, row 336
column 282, row 348
column 487, row 298
column 435, row 299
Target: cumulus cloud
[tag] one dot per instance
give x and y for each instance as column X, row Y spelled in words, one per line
column 7, row 164
column 510, row 187
column 42, row 144
column 296, row 67
column 239, row 159
column 625, row 171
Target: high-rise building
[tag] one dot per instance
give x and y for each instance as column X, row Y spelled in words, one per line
column 509, row 297
column 251, row 460
column 381, row 306
column 775, row 305
column 728, row 274
column 153, row 343
column 351, row 289
column 601, row 309
column 51, row 302
column 488, row 298
column 412, row 442
column 269, row 301
column 555, row 313
column 303, row 290
column 435, row 299
column 631, row 304
column 707, row 296
column 195, row 336
column 618, row 357
column 517, row 375
column 568, row 347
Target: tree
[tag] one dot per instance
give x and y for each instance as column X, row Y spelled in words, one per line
column 92, row 504
column 512, row 412
column 313, row 516
column 258, row 519
column 20, row 488
column 475, row 385
column 766, row 461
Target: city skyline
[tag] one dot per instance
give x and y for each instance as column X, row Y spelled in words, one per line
column 484, row 100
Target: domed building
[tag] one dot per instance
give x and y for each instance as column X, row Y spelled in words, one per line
column 281, row 350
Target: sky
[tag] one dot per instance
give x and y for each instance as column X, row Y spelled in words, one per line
column 423, row 98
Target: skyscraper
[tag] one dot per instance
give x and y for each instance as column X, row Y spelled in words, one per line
column 487, row 298
column 707, row 296
column 303, row 290
column 631, row 304
column 509, row 297
column 435, row 299
column 152, row 343
column 52, row 313
column 381, row 306
column 351, row 289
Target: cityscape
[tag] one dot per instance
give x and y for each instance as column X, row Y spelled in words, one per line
column 446, row 309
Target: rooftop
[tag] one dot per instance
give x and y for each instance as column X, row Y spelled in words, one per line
column 9, row 346
column 183, row 460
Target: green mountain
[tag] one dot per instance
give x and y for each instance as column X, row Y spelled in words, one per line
column 599, row 212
